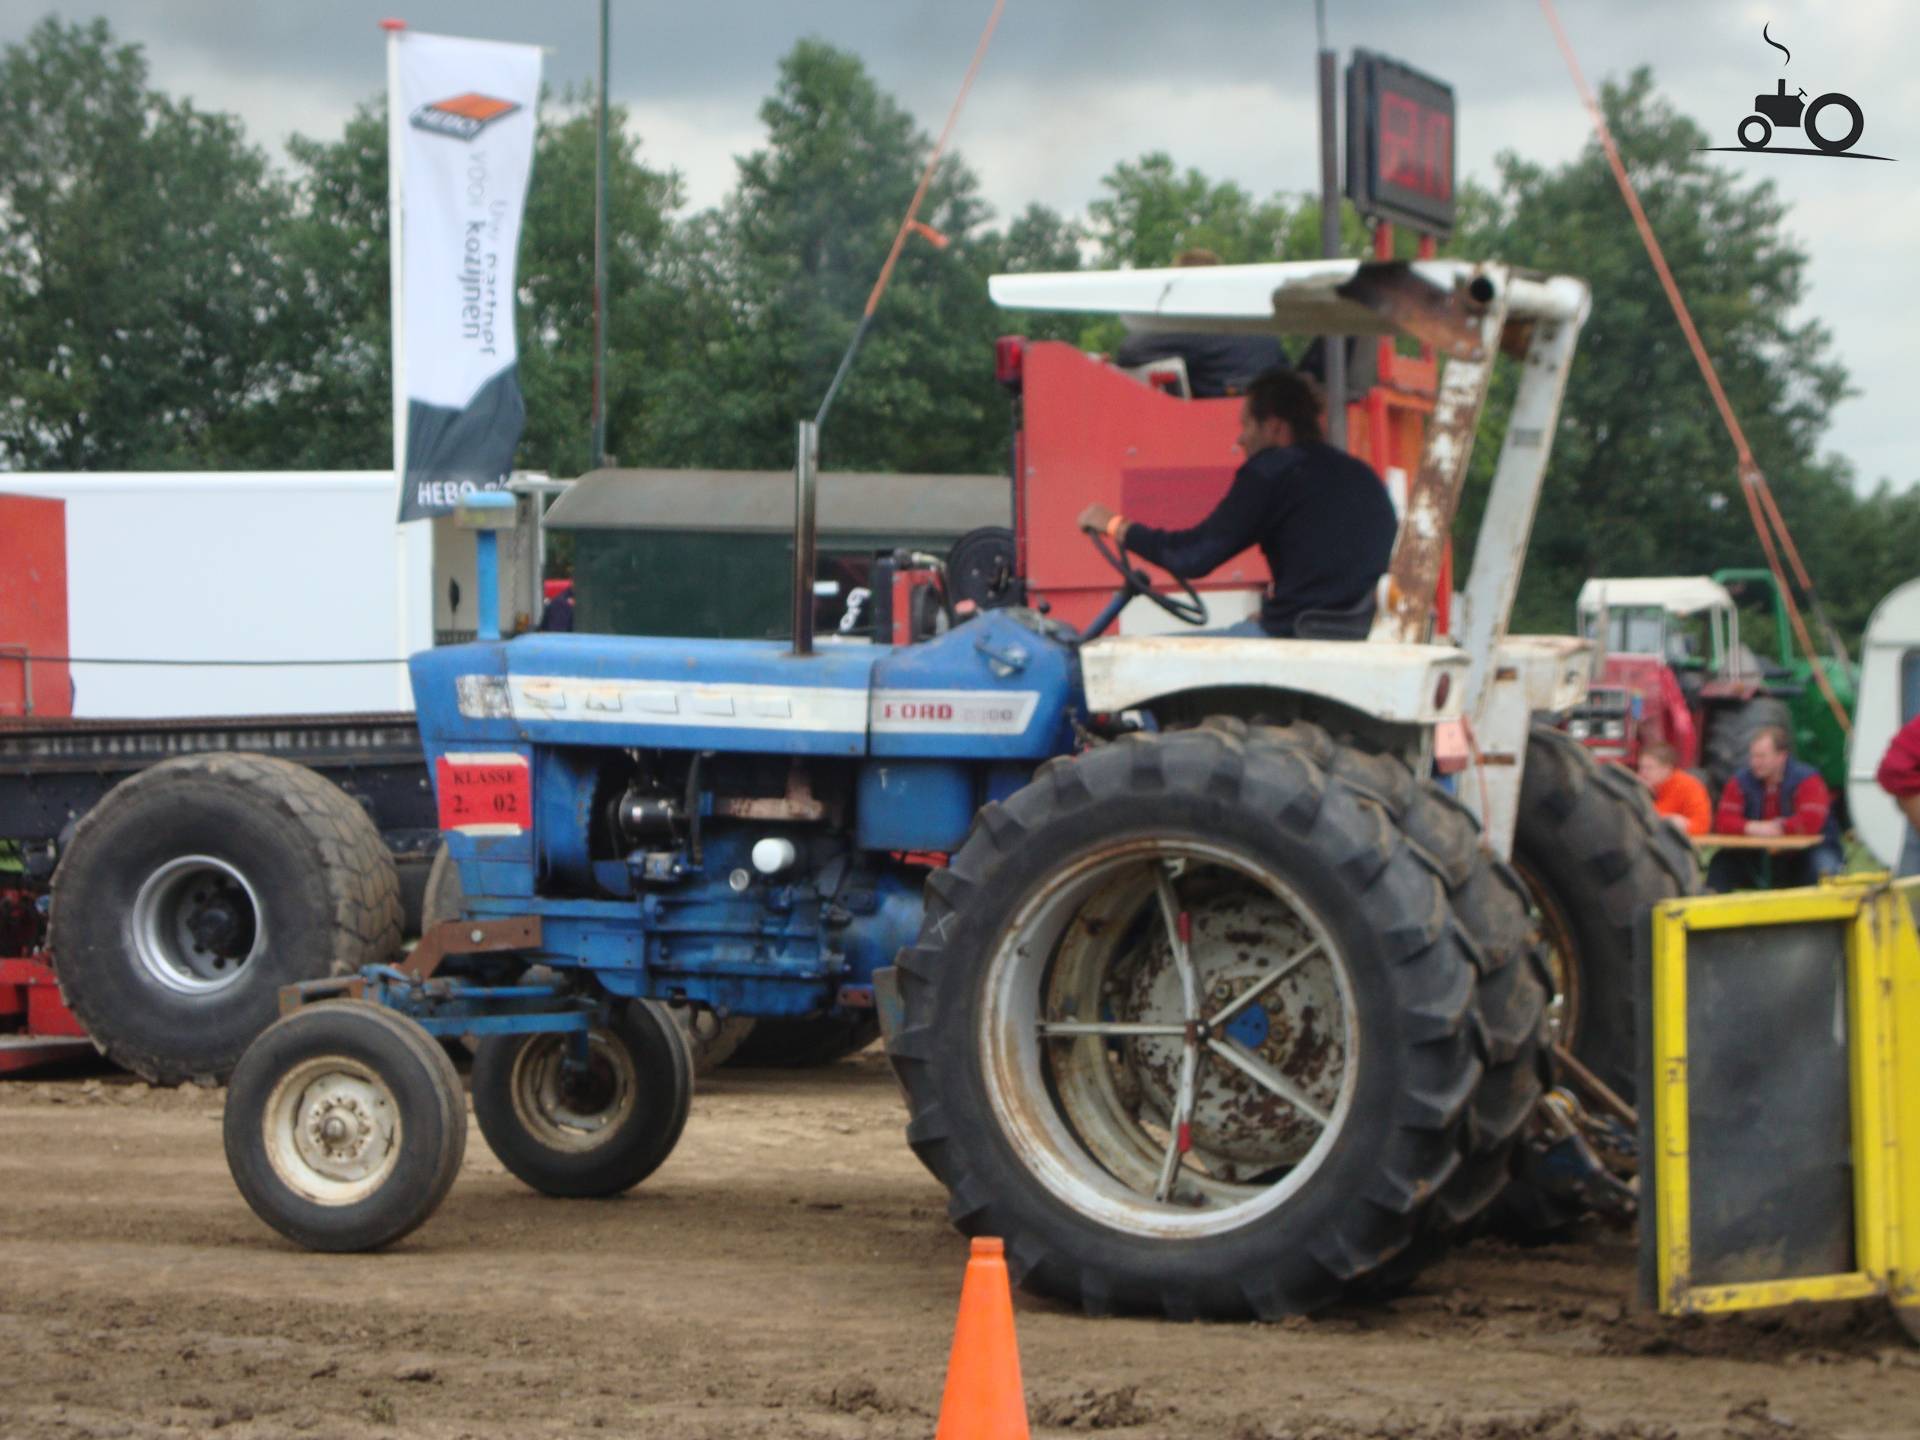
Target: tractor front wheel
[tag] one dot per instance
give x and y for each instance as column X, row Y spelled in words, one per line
column 586, row 1126
column 345, row 1126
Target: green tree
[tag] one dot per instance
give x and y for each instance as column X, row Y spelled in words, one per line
column 781, row 274
column 1153, row 211
column 140, row 267
column 338, row 410
column 1642, row 479
column 645, row 311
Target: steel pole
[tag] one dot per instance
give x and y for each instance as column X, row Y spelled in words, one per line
column 599, row 446
column 1335, row 346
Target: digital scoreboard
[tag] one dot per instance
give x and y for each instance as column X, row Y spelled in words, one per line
column 1400, row 144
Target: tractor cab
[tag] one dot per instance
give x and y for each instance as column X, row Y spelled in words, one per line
column 1132, row 437
column 1660, row 642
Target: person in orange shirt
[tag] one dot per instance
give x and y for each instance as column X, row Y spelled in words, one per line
column 1677, row 796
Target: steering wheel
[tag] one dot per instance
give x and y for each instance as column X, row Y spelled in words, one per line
column 1188, row 608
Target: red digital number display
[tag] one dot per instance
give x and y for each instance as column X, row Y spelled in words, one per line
column 486, row 793
column 1400, row 144
column 1416, row 147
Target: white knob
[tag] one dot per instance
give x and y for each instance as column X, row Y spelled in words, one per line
column 773, row 854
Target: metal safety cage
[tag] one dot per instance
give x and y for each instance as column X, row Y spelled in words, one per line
column 1781, row 1049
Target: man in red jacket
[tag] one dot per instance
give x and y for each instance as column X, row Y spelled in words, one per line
column 1899, row 776
column 1775, row 794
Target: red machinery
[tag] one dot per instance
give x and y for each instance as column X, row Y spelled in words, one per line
column 33, row 608
column 35, row 1025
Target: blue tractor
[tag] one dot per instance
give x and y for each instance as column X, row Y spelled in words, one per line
column 1201, row 993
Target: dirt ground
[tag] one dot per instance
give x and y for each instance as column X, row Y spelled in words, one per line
column 789, row 1273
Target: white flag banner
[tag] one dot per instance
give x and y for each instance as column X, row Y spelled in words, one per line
column 463, row 129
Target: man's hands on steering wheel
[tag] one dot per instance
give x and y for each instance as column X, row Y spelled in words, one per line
column 1187, row 607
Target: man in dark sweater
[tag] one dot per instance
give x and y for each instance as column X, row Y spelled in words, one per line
column 1321, row 518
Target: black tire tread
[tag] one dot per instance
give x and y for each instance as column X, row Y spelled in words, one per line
column 1427, row 966
column 1590, row 831
column 357, row 872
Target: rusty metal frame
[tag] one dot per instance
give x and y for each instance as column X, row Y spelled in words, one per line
column 1465, row 325
column 469, row 937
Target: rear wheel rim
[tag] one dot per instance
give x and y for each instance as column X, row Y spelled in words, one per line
column 1169, row 1038
column 1562, row 955
column 332, row 1130
column 197, row 925
column 573, row 1108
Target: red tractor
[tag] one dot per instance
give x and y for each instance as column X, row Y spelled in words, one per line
column 1671, row 667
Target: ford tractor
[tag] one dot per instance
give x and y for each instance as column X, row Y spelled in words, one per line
column 1199, row 959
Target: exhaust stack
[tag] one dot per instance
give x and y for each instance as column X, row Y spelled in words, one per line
column 805, row 474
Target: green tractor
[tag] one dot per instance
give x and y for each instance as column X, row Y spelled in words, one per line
column 1818, row 736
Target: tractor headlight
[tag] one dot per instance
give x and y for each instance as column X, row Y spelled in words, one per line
column 1614, row 730
column 1579, row 729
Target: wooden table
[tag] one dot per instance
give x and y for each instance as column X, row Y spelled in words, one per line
column 1769, row 843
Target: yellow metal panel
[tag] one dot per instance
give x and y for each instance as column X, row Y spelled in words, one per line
column 1868, row 1048
column 1770, row 907
column 1883, row 1006
column 1763, row 1294
column 1673, row 1237
column 1903, row 1009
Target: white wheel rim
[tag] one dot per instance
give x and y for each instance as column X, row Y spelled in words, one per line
column 197, row 924
column 332, row 1129
column 1082, row 1110
column 571, row 1112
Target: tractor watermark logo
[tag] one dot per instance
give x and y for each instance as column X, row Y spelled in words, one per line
column 463, row 116
column 1832, row 122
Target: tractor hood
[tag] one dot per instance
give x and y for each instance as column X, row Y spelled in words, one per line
column 996, row 687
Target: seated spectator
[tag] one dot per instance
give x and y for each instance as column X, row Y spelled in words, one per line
column 1217, row 365
column 1899, row 776
column 1677, row 796
column 1774, row 794
column 559, row 612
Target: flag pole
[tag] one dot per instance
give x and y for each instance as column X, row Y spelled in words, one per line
column 404, row 597
column 396, row 257
column 599, row 456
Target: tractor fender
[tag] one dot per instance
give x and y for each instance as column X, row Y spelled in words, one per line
column 1410, row 685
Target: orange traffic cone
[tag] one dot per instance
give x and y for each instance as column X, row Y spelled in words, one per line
column 984, row 1398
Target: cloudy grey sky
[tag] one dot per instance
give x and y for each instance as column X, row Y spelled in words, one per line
column 1073, row 86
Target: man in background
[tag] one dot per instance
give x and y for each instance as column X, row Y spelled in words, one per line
column 1677, row 796
column 1771, row 796
column 1217, row 365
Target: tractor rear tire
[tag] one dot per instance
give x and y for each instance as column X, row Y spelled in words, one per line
column 806, row 1044
column 600, row 1134
column 1051, row 1141
column 200, row 886
column 345, row 1126
column 1594, row 857
column 1731, row 730
column 1513, row 982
